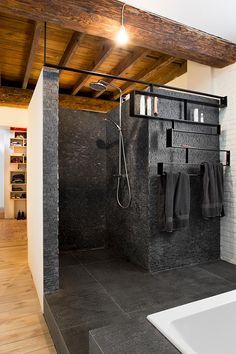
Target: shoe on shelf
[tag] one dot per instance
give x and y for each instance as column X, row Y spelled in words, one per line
column 23, row 216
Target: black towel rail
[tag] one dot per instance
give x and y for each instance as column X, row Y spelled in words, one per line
column 161, row 172
column 160, row 167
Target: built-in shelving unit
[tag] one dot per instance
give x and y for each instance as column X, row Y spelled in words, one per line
column 18, row 161
column 150, row 109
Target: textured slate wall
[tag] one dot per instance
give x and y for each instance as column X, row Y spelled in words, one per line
column 128, row 229
column 50, row 179
column 82, row 171
column 200, row 242
column 89, row 214
column 136, row 232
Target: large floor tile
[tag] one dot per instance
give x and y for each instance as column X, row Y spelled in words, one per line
column 93, row 256
column 136, row 290
column 222, row 269
column 75, row 278
column 67, row 259
column 130, row 286
column 77, row 338
column 81, row 308
column 184, row 285
column 138, row 337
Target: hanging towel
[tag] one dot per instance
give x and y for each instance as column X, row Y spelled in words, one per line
column 213, row 190
column 177, row 201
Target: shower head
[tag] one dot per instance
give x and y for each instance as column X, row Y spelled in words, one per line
column 99, row 85
column 102, row 85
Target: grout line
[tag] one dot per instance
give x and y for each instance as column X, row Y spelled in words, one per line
column 216, row 275
column 98, row 282
column 93, row 338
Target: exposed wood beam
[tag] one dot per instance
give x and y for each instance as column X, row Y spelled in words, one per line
column 15, row 97
column 86, row 103
column 71, row 48
column 34, row 44
column 105, row 50
column 102, row 18
column 146, row 73
column 125, row 65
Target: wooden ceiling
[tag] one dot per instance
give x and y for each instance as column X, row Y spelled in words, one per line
column 21, row 60
column 80, row 35
column 103, row 17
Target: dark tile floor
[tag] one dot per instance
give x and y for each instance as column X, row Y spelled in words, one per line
column 111, row 298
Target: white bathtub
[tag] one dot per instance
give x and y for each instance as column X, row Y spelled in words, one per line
column 207, row 326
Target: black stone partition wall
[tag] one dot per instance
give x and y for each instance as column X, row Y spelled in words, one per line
column 82, row 172
column 50, row 180
column 200, row 242
column 137, row 232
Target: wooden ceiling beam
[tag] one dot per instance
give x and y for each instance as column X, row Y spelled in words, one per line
column 86, row 103
column 71, row 48
column 34, row 45
column 126, row 64
column 16, row 97
column 105, row 50
column 145, row 74
column 102, row 18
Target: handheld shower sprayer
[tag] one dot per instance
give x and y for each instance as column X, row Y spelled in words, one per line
column 102, row 85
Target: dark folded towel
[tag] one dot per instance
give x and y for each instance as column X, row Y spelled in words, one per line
column 213, row 190
column 177, row 201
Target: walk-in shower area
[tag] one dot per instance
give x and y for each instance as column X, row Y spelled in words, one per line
column 119, row 258
column 111, row 189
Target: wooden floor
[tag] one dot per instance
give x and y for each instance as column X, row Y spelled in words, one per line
column 22, row 326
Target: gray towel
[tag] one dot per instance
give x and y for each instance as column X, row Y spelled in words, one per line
column 213, row 190
column 177, row 201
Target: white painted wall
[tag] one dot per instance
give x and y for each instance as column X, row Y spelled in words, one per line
column 198, row 78
column 181, row 81
column 13, row 117
column 220, row 82
column 212, row 16
column 35, row 188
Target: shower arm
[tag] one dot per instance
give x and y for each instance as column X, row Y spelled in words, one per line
column 121, row 96
column 120, row 125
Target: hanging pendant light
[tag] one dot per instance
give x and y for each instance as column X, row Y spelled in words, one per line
column 122, row 36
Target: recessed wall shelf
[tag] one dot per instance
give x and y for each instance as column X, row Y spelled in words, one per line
column 169, row 144
column 133, row 110
column 219, row 102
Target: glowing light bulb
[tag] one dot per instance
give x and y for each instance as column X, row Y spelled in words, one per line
column 122, row 36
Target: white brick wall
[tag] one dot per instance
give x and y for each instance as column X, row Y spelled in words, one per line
column 224, row 84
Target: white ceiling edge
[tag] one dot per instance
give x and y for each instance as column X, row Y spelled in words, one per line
column 215, row 17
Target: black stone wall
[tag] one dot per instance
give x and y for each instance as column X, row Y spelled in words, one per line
column 88, row 163
column 50, row 179
column 137, row 232
column 200, row 242
column 128, row 229
column 82, row 176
